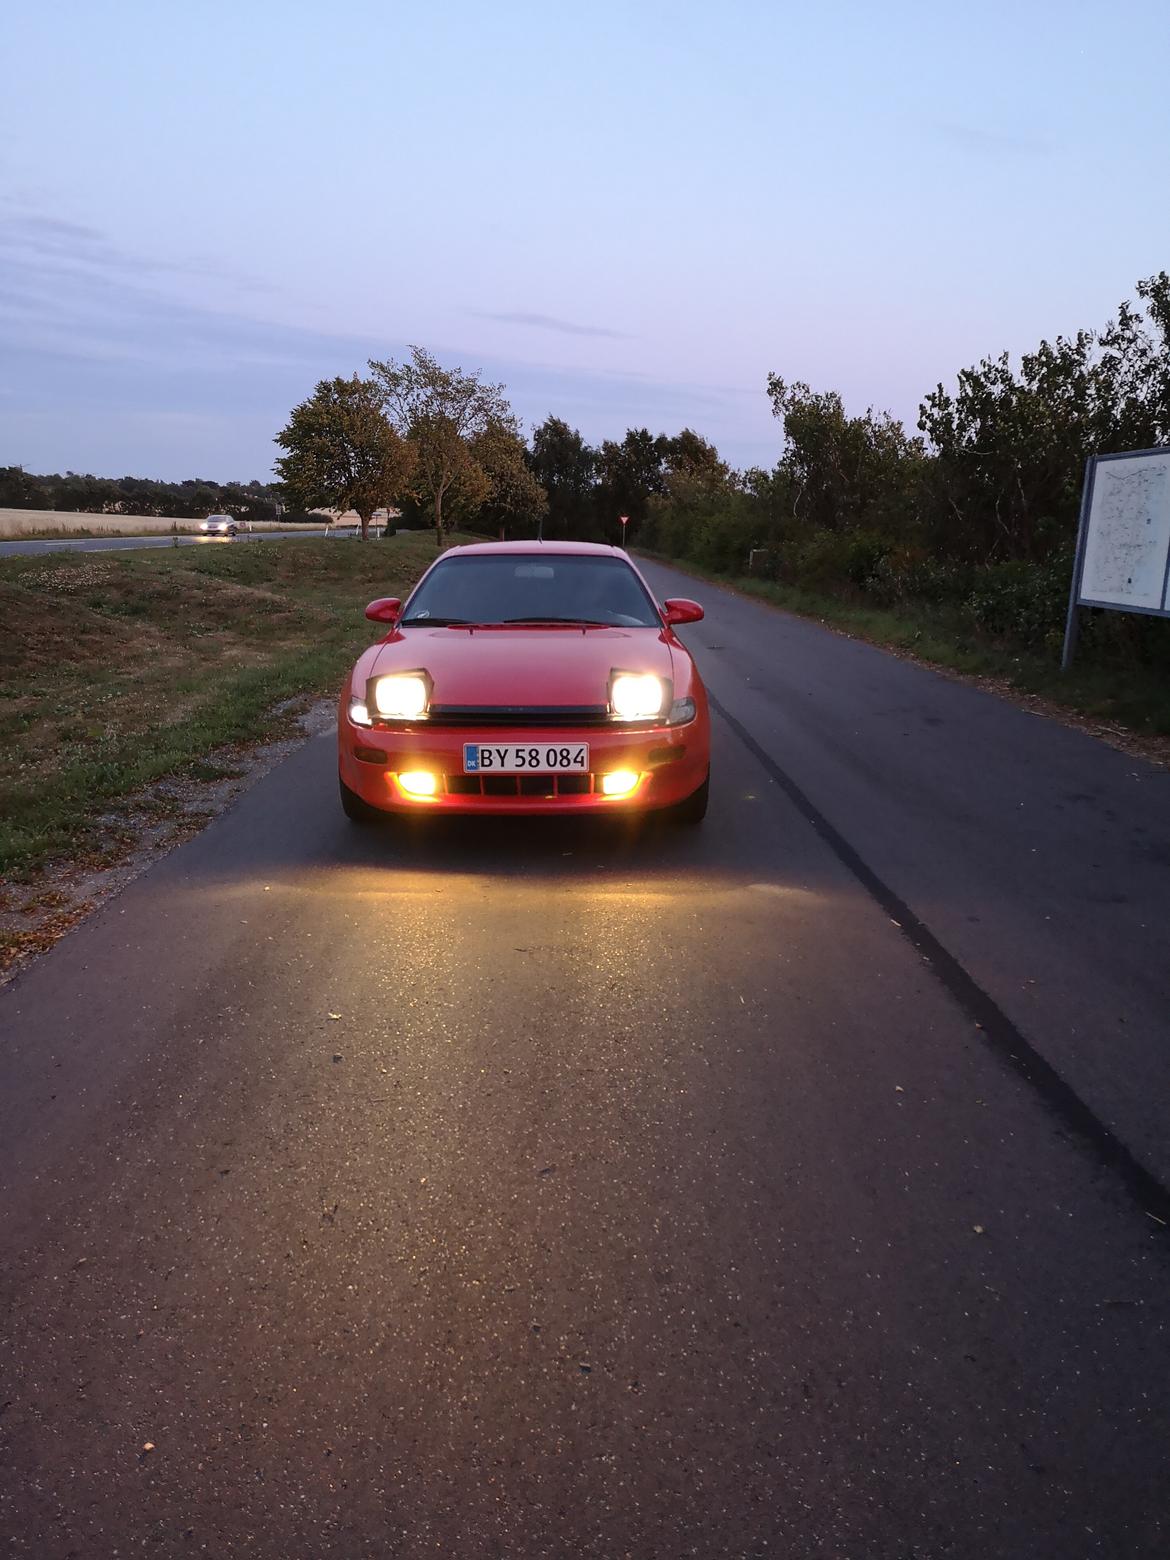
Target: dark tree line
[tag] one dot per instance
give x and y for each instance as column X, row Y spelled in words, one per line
column 977, row 508
column 590, row 488
column 190, row 500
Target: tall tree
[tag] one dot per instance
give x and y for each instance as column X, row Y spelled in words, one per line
column 566, row 467
column 845, row 472
column 689, row 454
column 341, row 451
column 1010, row 447
column 441, row 411
column 631, row 473
column 513, row 496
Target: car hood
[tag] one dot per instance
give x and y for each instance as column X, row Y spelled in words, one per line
column 523, row 667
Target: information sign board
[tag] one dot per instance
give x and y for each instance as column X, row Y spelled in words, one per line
column 1123, row 549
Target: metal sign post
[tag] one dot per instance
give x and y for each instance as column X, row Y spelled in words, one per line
column 1072, row 622
column 625, row 520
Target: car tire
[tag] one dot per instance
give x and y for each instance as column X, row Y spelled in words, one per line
column 694, row 809
column 356, row 810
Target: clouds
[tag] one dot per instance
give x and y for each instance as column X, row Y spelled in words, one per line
column 990, row 143
column 115, row 362
column 548, row 322
column 47, row 233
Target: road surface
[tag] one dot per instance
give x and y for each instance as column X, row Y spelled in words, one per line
column 29, row 546
column 792, row 1187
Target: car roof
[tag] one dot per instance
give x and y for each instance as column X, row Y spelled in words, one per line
column 585, row 549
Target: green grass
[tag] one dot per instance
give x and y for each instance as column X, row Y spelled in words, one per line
column 1102, row 687
column 117, row 669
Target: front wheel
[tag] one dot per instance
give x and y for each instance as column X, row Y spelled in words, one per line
column 694, row 808
column 354, row 808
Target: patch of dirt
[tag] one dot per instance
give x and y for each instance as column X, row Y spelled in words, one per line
column 39, row 635
column 137, row 833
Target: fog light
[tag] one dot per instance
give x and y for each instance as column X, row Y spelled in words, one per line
column 419, row 782
column 619, row 782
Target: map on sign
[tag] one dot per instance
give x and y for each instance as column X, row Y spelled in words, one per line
column 1127, row 539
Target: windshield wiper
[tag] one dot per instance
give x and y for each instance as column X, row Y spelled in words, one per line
column 576, row 622
column 434, row 622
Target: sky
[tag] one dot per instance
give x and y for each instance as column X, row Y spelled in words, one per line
column 629, row 213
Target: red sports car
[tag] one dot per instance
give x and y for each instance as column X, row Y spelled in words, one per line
column 526, row 677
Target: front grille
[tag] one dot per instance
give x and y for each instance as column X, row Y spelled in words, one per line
column 546, row 786
column 538, row 785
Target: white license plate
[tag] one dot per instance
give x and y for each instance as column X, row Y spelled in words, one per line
column 524, row 758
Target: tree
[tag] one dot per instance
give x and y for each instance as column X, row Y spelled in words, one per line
column 846, row 472
column 441, row 411
column 688, row 453
column 341, row 451
column 513, row 493
column 566, row 467
column 701, row 512
column 1010, row 448
column 19, row 490
column 631, row 473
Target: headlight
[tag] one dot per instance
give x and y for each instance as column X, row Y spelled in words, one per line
column 637, row 695
column 403, row 696
column 359, row 713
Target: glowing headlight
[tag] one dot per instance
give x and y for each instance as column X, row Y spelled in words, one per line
column 359, row 713
column 636, row 696
column 401, row 697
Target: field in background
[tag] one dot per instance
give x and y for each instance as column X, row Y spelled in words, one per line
column 17, row 523
column 119, row 668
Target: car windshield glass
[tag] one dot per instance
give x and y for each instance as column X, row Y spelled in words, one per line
column 533, row 588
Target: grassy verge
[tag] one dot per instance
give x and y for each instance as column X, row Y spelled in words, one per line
column 1122, row 693
column 119, row 668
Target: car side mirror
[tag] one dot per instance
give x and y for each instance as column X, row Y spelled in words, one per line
column 385, row 610
column 679, row 610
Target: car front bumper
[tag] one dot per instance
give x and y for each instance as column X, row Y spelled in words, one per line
column 670, row 761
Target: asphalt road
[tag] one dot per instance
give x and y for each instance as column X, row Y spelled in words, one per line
column 13, row 549
column 793, row 1187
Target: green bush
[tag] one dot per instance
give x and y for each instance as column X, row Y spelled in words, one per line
column 1022, row 601
column 828, row 560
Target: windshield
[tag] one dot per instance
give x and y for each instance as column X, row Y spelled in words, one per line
column 533, row 588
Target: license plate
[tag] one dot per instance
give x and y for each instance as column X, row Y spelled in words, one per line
column 525, row 758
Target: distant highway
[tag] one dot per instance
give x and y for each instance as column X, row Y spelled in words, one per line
column 123, row 543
